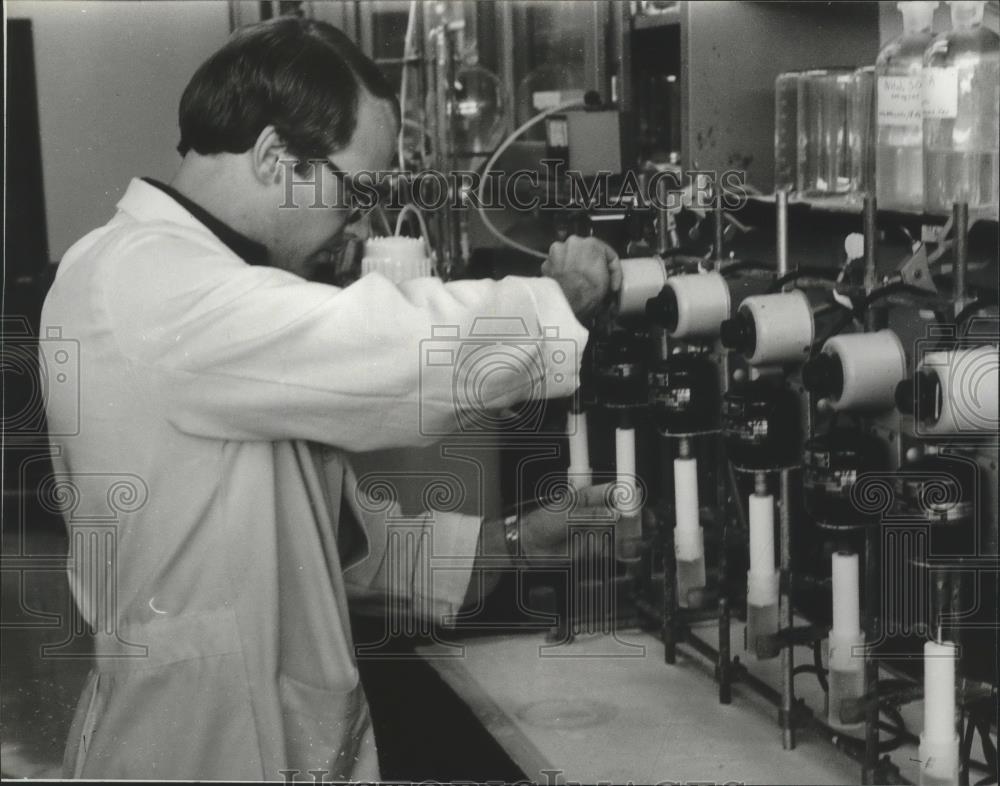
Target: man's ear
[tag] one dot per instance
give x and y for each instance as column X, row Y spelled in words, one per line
column 269, row 156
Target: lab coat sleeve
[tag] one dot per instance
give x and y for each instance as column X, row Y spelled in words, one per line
column 257, row 353
column 415, row 568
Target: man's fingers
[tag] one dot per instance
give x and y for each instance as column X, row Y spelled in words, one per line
column 615, row 268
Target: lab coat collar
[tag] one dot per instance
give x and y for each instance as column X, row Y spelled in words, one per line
column 149, row 199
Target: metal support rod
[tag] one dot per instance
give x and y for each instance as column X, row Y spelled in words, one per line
column 785, row 614
column 724, row 667
column 873, row 317
column 782, row 216
column 960, row 214
column 873, row 633
column 684, row 447
column 760, row 483
column 669, row 630
column 718, row 223
column 666, row 237
column 887, row 772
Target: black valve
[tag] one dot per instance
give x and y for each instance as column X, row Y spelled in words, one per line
column 662, row 309
column 739, row 334
column 920, row 396
column 823, row 376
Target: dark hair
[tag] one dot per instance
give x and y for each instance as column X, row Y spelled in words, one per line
column 302, row 76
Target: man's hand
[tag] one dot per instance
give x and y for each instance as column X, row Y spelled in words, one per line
column 587, row 270
column 542, row 533
column 545, row 532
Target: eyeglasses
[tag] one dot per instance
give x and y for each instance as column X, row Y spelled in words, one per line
column 362, row 192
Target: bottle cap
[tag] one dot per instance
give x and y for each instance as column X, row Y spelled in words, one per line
column 917, row 14
column 397, row 258
column 967, row 13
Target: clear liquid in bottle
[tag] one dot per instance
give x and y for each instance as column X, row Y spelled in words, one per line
column 961, row 110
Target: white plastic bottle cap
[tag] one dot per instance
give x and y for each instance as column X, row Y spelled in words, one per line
column 397, row 258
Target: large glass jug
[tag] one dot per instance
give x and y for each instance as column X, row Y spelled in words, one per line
column 961, row 108
column 899, row 149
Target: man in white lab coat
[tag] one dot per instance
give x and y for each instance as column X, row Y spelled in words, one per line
column 218, row 392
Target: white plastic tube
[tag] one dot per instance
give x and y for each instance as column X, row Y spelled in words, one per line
column 492, row 162
column 627, row 498
column 761, row 534
column 847, row 679
column 762, row 578
column 628, row 532
column 939, row 741
column 689, row 541
column 579, row 472
column 846, row 594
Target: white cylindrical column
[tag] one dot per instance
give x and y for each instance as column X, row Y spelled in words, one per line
column 626, row 498
column 761, row 535
column 939, row 741
column 762, row 578
column 628, row 532
column 846, row 594
column 688, row 539
column 847, row 676
column 579, row 472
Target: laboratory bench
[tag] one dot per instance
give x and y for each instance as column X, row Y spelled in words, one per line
column 606, row 708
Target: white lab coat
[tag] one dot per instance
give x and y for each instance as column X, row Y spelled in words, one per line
column 203, row 448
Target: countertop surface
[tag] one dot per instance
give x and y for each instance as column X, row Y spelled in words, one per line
column 606, row 708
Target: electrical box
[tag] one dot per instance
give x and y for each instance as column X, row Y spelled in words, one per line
column 595, row 141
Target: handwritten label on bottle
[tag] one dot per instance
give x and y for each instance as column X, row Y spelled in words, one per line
column 900, row 102
column 940, row 93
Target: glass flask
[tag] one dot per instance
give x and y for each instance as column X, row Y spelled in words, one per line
column 899, row 146
column 961, row 110
column 477, row 111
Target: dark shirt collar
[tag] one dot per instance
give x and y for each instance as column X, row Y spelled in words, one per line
column 250, row 251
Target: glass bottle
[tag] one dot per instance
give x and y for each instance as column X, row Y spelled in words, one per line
column 899, row 151
column 786, row 89
column 861, row 132
column 961, row 108
column 824, row 159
